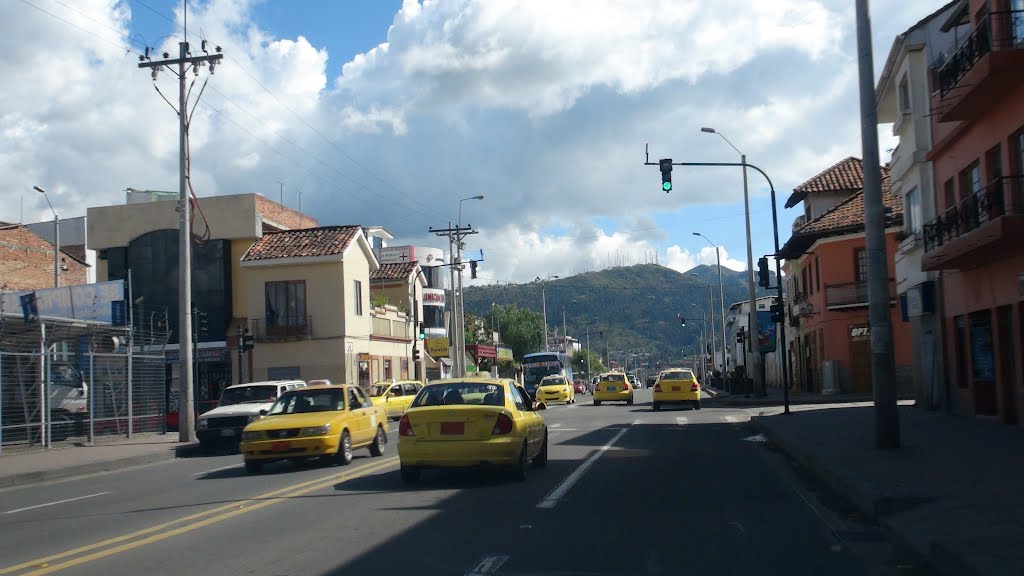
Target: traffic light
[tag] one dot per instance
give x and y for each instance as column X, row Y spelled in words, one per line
column 420, row 334
column 204, row 324
column 415, row 355
column 778, row 312
column 740, row 334
column 763, row 279
column 666, row 174
column 682, row 321
column 472, row 269
column 248, row 341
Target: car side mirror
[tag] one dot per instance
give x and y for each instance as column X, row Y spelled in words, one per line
column 539, row 406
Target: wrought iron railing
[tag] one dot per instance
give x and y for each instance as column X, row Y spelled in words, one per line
column 997, row 30
column 282, row 328
column 974, row 211
column 852, row 293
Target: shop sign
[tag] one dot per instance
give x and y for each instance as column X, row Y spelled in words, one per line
column 860, row 332
column 437, row 347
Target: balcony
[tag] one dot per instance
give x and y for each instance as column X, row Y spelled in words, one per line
column 984, row 67
column 973, row 230
column 282, row 328
column 852, row 295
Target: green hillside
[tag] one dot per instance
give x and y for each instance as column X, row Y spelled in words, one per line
column 636, row 306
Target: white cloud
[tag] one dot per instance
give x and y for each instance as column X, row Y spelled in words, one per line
column 544, row 107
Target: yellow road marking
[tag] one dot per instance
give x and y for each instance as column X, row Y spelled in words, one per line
column 229, row 511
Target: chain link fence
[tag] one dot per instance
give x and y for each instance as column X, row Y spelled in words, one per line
column 67, row 380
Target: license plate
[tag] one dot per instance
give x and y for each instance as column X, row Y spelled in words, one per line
column 453, row 427
column 676, row 388
column 280, row 446
column 227, row 432
column 610, row 389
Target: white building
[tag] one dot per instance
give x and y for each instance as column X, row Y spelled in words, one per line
column 74, row 237
column 737, row 317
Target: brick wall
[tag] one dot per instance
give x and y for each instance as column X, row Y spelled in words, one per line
column 290, row 219
column 26, row 262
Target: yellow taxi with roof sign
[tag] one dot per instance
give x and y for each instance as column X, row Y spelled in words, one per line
column 395, row 396
column 472, row 422
column 613, row 387
column 328, row 421
column 555, row 388
column 676, row 386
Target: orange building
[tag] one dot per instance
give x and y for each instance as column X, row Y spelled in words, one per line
column 977, row 107
column 827, row 332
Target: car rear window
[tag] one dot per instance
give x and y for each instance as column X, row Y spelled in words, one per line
column 461, row 393
column 680, row 375
column 613, row 378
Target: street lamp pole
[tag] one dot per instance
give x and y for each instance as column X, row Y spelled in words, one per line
column 461, row 324
column 56, row 238
column 751, row 358
column 711, row 303
column 721, row 299
column 544, row 305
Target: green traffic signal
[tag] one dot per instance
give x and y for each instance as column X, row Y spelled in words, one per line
column 666, row 186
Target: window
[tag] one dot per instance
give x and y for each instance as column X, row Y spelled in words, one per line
column 1018, row 22
column 860, row 263
column 912, row 211
column 286, row 303
column 949, row 191
column 970, row 179
column 410, row 388
column 904, row 95
column 357, row 293
column 396, row 390
column 354, row 402
column 817, row 274
column 994, row 163
column 387, row 369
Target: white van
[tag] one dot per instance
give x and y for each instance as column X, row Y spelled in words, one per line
column 239, row 405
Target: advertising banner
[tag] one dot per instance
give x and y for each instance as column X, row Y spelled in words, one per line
column 437, row 347
column 766, row 332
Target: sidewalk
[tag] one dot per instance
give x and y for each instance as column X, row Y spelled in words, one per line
column 775, row 398
column 68, row 461
column 953, row 492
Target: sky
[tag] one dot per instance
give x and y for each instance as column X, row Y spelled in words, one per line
column 388, row 113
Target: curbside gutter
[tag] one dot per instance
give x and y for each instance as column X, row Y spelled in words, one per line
column 75, row 471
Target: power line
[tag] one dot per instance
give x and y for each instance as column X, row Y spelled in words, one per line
column 127, row 50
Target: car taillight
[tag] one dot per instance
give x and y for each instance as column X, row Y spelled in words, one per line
column 657, row 387
column 405, row 427
column 503, row 425
column 694, row 387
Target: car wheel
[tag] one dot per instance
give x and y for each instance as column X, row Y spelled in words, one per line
column 656, row 406
column 597, row 402
column 629, row 402
column 344, row 454
column 253, row 466
column 541, row 460
column 377, row 448
column 523, row 466
column 696, row 404
column 410, row 474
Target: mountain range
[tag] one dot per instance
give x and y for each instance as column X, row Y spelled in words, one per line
column 623, row 308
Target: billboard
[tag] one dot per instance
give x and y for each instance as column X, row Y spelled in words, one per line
column 437, row 347
column 766, row 332
column 397, row 254
column 433, row 297
column 92, row 302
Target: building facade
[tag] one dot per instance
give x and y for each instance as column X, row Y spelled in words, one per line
column 737, row 319
column 974, row 242
column 26, row 261
column 902, row 96
column 828, row 336
column 400, row 286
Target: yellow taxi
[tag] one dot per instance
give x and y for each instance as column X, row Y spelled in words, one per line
column 327, row 422
column 613, row 387
column 472, row 422
column 555, row 388
column 395, row 396
column 677, row 386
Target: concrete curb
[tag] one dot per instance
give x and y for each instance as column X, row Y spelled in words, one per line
column 69, row 472
column 938, row 558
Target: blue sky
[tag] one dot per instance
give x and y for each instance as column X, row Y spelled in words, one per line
column 387, row 113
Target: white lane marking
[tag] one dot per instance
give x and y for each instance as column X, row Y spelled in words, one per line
column 551, row 499
column 565, row 430
column 218, row 469
column 55, row 503
column 682, row 420
column 731, row 419
column 554, row 425
column 637, row 422
column 488, row 565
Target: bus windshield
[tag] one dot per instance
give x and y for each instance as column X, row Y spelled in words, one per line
column 537, row 366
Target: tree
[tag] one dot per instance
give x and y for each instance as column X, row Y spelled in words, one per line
column 521, row 329
column 472, row 329
column 579, row 362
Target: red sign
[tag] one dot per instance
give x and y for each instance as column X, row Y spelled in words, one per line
column 483, row 350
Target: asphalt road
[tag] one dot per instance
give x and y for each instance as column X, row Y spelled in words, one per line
column 627, row 491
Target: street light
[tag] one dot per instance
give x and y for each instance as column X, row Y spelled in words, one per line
column 711, row 303
column 56, row 238
column 544, row 305
column 721, row 299
column 703, row 341
column 460, row 324
column 749, row 361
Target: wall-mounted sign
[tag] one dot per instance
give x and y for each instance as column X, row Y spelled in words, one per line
column 860, row 332
column 396, row 254
column 437, row 347
column 433, row 297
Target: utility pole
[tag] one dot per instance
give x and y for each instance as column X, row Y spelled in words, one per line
column 456, row 336
column 887, row 424
column 186, row 410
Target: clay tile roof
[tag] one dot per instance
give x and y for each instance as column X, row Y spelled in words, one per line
column 850, row 212
column 394, row 271
column 845, row 175
column 305, row 243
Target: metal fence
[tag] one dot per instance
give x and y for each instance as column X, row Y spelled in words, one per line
column 67, row 380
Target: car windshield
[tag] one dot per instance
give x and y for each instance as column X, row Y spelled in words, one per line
column 248, row 394
column 552, row 382
column 379, row 389
column 678, row 375
column 460, row 393
column 301, row 401
column 612, row 378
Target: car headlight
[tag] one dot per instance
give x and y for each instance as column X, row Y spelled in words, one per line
column 202, row 424
column 316, row 430
column 252, row 435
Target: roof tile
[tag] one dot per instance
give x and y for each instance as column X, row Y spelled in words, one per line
column 850, row 212
column 394, row 271
column 305, row 243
